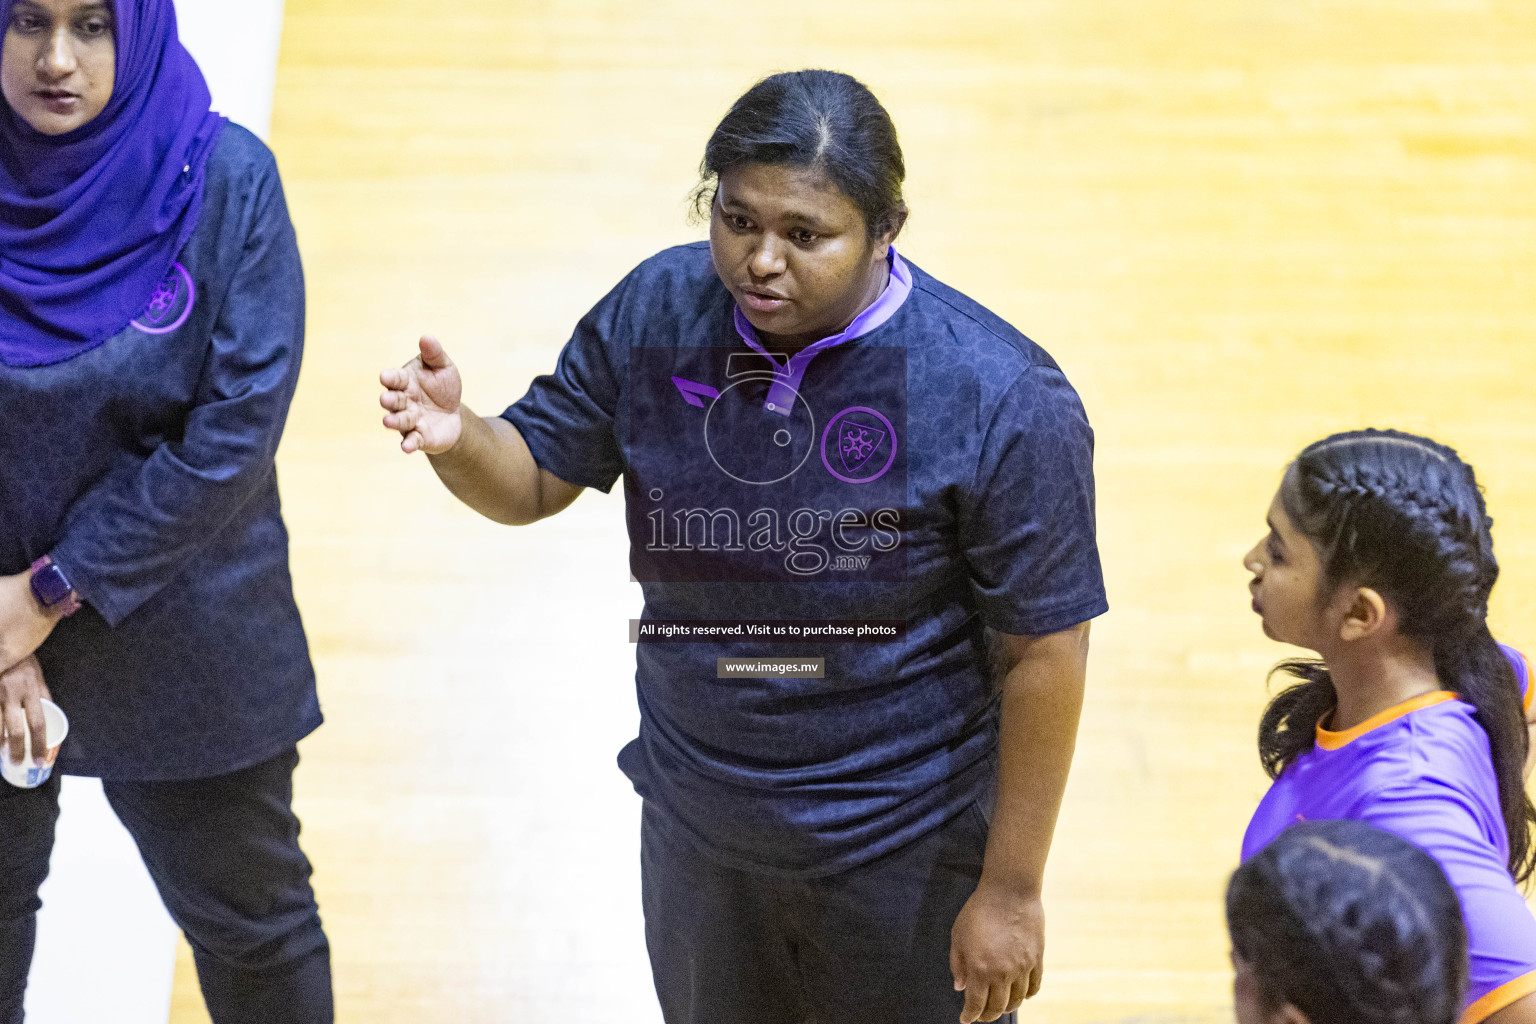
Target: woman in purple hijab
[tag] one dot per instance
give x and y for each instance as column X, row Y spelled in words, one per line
column 151, row 327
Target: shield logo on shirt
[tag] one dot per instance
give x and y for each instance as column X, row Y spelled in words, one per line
column 856, row 443
column 866, row 445
column 727, row 480
column 170, row 305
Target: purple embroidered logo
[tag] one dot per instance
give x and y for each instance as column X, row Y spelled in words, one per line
column 860, row 435
column 741, row 503
column 171, row 304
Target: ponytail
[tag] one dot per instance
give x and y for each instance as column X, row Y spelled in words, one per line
column 1476, row 669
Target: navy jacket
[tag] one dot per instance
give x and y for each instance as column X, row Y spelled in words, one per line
column 145, row 469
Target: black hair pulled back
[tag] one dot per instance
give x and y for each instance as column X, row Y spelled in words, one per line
column 1404, row 516
column 1350, row 925
column 824, row 120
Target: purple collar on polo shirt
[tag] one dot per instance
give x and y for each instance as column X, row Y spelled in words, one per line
column 781, row 395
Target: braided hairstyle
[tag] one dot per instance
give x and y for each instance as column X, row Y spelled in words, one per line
column 1404, row 515
column 1350, row 925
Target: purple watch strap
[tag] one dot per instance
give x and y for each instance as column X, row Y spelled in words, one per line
column 52, row 589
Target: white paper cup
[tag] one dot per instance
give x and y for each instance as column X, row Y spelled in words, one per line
column 28, row 775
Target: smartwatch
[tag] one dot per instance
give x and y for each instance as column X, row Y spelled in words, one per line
column 52, row 588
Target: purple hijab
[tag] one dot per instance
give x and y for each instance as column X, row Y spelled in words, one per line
column 91, row 221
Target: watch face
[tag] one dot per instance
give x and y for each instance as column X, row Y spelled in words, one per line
column 50, row 586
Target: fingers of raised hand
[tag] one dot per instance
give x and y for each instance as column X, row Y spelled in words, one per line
column 405, row 377
column 400, row 378
column 405, row 420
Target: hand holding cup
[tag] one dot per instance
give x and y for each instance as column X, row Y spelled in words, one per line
column 22, row 692
column 33, row 725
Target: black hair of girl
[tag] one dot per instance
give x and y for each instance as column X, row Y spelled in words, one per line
column 1350, row 925
column 821, row 119
column 1404, row 516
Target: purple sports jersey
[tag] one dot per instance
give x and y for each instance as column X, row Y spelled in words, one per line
column 1423, row 771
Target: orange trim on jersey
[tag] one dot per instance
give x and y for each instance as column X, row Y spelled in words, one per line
column 1499, row 998
column 1330, row 740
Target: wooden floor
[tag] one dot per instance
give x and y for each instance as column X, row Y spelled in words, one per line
column 1237, row 225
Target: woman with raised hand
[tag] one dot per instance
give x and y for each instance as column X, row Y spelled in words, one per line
column 820, row 444
column 151, row 324
column 1379, row 557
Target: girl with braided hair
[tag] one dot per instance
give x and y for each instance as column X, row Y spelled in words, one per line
column 1338, row 922
column 1379, row 558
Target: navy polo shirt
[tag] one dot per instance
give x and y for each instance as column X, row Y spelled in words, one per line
column 935, row 470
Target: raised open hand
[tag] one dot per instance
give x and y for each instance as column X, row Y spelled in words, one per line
column 422, row 399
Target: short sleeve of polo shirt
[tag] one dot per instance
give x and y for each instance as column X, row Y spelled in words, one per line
column 1027, row 521
column 1501, row 931
column 568, row 417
